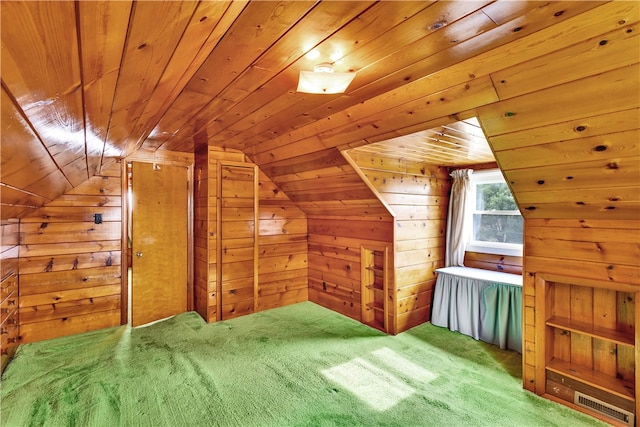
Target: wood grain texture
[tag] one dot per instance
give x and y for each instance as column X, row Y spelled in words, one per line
column 335, row 281
column 553, row 84
column 225, row 235
column 507, row 264
column 9, row 292
column 586, row 256
column 417, row 195
column 102, row 27
column 71, row 274
column 160, row 279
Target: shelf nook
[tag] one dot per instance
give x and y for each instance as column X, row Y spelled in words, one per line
column 587, row 344
column 374, row 287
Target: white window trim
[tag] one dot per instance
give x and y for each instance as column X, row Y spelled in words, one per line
column 508, row 249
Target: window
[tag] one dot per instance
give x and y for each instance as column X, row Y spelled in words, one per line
column 496, row 223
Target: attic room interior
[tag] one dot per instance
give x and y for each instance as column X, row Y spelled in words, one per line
column 162, row 160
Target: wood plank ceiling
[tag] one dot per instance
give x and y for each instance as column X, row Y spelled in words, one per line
column 455, row 144
column 89, row 81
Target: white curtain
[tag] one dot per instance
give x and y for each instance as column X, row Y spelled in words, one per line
column 457, row 220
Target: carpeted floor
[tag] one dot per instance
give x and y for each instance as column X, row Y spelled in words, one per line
column 300, row 365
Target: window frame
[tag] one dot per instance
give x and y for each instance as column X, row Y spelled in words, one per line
column 488, row 176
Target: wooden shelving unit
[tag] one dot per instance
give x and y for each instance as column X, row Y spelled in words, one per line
column 9, row 330
column 374, row 287
column 587, row 340
column 591, row 330
column 619, row 387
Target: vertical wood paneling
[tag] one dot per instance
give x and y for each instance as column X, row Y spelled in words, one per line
column 201, row 230
column 71, row 265
column 627, row 321
column 282, row 276
column 580, row 248
column 581, row 310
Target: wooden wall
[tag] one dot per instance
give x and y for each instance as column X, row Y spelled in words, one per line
column 592, row 249
column 9, row 316
column 282, row 248
column 565, row 132
column 70, row 272
column 494, row 262
column 575, row 173
column 343, row 213
column 205, row 231
column 334, row 259
column 201, row 292
column 282, row 239
column 9, row 232
column 418, row 195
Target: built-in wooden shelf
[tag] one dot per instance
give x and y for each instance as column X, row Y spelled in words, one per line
column 374, row 287
column 598, row 361
column 375, row 307
column 376, row 271
column 594, row 331
column 619, row 387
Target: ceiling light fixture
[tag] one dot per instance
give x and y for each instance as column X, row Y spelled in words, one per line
column 323, row 80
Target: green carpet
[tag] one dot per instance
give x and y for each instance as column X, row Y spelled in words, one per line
column 300, row 365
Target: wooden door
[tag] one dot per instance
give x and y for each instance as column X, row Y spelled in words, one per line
column 238, row 240
column 159, row 242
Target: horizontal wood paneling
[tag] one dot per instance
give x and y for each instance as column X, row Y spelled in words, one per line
column 70, row 266
column 9, row 289
column 504, row 263
column 334, row 260
column 573, row 167
column 417, row 193
column 76, row 324
column 205, row 235
column 281, row 247
column 574, row 158
column 554, row 85
column 324, row 183
column 591, row 250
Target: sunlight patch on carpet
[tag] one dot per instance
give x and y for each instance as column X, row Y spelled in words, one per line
column 396, row 362
column 374, row 386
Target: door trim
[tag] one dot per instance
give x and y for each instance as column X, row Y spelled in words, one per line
column 126, row 253
column 256, row 230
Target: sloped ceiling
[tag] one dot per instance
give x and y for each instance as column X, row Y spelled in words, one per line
column 455, row 145
column 86, row 82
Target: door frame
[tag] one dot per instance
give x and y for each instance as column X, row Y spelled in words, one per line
column 256, row 230
column 126, row 252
